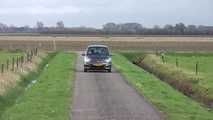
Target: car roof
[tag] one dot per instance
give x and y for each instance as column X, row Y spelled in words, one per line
column 96, row 45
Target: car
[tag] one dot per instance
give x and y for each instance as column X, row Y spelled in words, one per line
column 97, row 57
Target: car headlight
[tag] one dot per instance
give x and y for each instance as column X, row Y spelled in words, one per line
column 86, row 59
column 108, row 60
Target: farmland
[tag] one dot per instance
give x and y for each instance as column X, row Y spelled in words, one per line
column 193, row 78
column 205, row 61
column 173, row 90
column 205, row 65
column 116, row 43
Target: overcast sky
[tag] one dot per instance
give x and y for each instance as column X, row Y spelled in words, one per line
column 95, row 13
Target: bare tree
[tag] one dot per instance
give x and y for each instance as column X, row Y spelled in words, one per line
column 3, row 27
column 191, row 29
column 126, row 28
column 39, row 25
column 169, row 29
column 110, row 27
column 131, row 28
column 180, row 28
column 60, row 24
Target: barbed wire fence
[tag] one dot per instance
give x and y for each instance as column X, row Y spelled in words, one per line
column 18, row 62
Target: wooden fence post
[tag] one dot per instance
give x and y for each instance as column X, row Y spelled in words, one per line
column 13, row 64
column 22, row 61
column 36, row 51
column 196, row 67
column 163, row 58
column 2, row 68
column 19, row 61
column 8, row 62
column 177, row 62
column 17, row 64
column 31, row 55
column 28, row 56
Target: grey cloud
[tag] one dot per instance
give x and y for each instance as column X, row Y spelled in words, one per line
column 39, row 10
column 97, row 12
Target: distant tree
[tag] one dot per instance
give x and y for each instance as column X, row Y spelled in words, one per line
column 131, row 28
column 3, row 27
column 206, row 30
column 126, row 28
column 180, row 28
column 110, row 28
column 39, row 25
column 156, row 30
column 169, row 29
column 26, row 28
column 156, row 27
column 60, row 24
column 191, row 29
column 12, row 28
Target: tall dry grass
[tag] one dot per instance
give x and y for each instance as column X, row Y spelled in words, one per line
column 9, row 79
column 115, row 43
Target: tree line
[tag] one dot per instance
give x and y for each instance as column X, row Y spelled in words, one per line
column 111, row 29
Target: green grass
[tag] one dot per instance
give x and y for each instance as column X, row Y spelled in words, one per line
column 187, row 62
column 132, row 56
column 50, row 97
column 172, row 103
column 185, row 81
column 4, row 56
column 9, row 99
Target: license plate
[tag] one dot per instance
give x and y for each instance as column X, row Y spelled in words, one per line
column 98, row 65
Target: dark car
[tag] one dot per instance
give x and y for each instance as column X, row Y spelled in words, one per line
column 97, row 57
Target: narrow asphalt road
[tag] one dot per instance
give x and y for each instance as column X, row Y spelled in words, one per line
column 106, row 96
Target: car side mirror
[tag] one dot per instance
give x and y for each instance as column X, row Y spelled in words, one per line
column 83, row 54
column 111, row 55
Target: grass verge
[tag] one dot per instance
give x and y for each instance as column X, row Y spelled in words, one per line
column 49, row 97
column 9, row 99
column 172, row 103
column 185, row 81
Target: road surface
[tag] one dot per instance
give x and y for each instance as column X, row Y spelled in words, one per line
column 106, row 96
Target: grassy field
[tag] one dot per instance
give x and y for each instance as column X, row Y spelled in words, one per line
column 198, row 87
column 49, row 97
column 4, row 56
column 115, row 43
column 187, row 62
column 172, row 103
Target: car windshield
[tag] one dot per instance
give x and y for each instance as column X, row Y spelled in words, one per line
column 97, row 51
